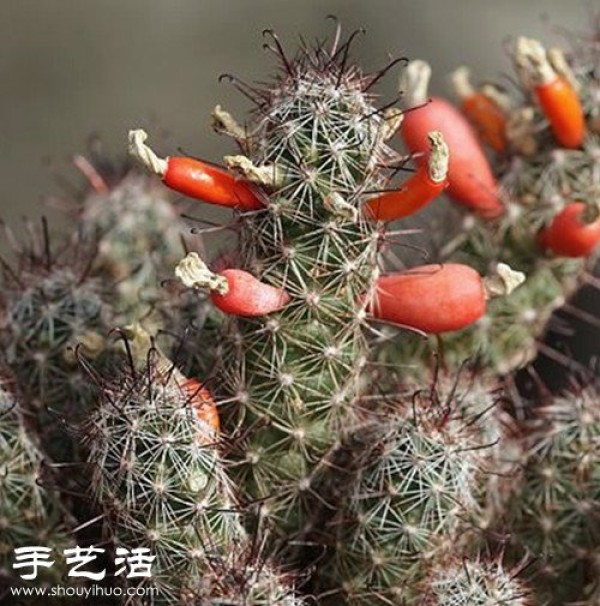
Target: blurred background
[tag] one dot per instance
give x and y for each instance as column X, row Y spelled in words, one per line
column 70, row 68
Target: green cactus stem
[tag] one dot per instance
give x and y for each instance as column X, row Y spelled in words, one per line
column 157, row 473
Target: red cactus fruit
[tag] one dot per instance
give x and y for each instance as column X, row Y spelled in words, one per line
column 439, row 298
column 427, row 183
column 196, row 179
column 247, row 296
column 470, row 178
column 233, row 291
column 431, row 298
column 562, row 107
column 555, row 91
column 569, row 234
column 202, row 402
column 483, row 112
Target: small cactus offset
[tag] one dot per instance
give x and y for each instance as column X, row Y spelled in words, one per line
column 418, row 491
column 161, row 483
column 246, row 423
column 156, row 471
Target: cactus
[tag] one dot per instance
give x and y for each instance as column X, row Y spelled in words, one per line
column 474, row 583
column 309, row 461
column 317, row 145
column 50, row 305
column 157, row 473
column 554, row 506
column 295, row 343
column 419, row 489
column 30, row 512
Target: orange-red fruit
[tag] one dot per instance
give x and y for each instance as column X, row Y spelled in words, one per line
column 488, row 119
column 248, row 296
column 562, row 107
column 202, row 402
column 432, row 298
column 210, row 184
column 470, row 178
column 568, row 235
column 415, row 194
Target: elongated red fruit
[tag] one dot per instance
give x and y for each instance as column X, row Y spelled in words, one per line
column 488, row 120
column 433, row 298
column 424, row 186
column 247, row 296
column 470, row 178
column 233, row 291
column 553, row 83
column 569, row 235
column 196, row 179
column 561, row 105
column 210, row 184
column 483, row 112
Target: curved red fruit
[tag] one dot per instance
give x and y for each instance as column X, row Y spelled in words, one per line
column 568, row 235
column 470, row 178
column 210, row 184
column 202, row 402
column 415, row 194
column 247, row 296
column 431, row 298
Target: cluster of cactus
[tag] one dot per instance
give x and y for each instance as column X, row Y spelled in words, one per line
column 253, row 428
